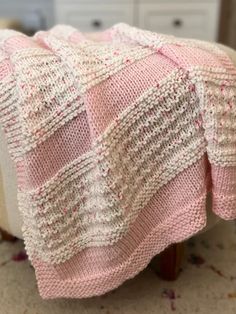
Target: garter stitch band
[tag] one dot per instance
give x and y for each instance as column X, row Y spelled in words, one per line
column 116, row 142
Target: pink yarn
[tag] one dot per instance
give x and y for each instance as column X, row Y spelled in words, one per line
column 117, row 139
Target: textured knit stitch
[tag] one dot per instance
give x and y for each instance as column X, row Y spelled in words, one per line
column 116, row 141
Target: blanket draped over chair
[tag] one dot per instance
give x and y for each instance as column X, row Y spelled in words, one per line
column 116, row 140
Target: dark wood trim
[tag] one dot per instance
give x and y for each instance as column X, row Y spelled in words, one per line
column 223, row 36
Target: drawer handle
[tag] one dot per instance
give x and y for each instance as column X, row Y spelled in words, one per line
column 96, row 23
column 177, row 23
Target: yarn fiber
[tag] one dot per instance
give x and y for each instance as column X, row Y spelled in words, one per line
column 116, row 141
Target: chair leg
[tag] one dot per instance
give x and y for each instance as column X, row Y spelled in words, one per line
column 169, row 262
column 6, row 236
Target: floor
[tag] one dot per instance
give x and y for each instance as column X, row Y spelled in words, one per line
column 207, row 283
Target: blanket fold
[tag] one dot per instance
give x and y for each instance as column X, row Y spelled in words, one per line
column 116, row 139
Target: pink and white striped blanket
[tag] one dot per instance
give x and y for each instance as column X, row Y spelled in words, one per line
column 116, row 139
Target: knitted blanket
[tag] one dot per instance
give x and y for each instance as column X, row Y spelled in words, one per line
column 116, row 140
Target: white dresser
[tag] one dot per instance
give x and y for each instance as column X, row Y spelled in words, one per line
column 184, row 18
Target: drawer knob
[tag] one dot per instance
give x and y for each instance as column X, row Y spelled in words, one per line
column 96, row 23
column 177, row 23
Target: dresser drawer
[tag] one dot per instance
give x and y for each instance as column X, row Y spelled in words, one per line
column 94, row 16
column 193, row 20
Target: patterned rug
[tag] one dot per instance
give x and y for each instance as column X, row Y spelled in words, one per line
column 207, row 283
